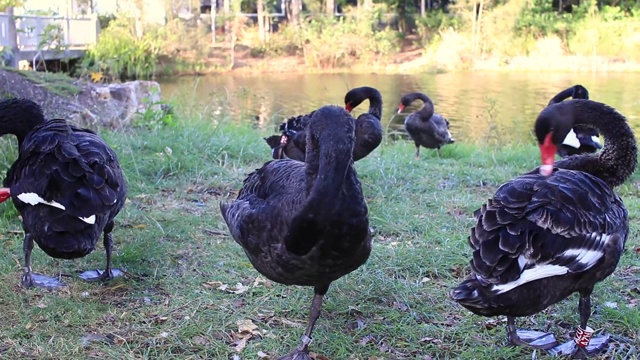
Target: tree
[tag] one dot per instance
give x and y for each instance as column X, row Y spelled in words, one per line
column 292, row 8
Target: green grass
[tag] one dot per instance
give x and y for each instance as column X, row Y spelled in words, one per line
column 57, row 83
column 171, row 238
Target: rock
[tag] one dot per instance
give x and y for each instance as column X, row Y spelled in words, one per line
column 82, row 103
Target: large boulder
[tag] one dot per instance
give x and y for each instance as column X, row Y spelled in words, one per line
column 82, row 103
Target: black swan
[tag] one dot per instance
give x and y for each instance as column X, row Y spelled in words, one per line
column 587, row 136
column 425, row 127
column 67, row 186
column 554, row 231
column 305, row 223
column 368, row 128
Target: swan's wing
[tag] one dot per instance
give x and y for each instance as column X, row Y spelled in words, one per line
column 441, row 128
column 268, row 200
column 536, row 227
column 296, row 123
column 71, row 170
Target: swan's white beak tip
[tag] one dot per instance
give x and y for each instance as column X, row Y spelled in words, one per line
column 546, row 170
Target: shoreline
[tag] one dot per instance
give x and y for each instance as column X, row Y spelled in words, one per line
column 247, row 65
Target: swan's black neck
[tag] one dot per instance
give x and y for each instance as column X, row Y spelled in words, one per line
column 427, row 110
column 356, row 96
column 19, row 117
column 617, row 160
column 575, row 92
column 329, row 173
column 375, row 104
column 328, row 152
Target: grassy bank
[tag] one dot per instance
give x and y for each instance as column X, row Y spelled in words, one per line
column 190, row 292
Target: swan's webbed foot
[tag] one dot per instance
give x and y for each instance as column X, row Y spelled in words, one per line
column 30, row 280
column 108, row 273
column 535, row 339
column 301, row 352
column 582, row 345
column 100, row 275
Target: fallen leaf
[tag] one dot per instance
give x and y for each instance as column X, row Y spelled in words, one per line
column 241, row 343
column 161, row 319
column 366, row 339
column 238, row 303
column 200, row 340
column 262, row 354
column 247, row 326
column 490, row 324
column 212, row 284
column 91, row 338
column 317, row 356
column 400, row 306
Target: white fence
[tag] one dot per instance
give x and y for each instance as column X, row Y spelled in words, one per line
column 45, row 32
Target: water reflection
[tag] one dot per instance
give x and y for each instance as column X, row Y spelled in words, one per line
column 481, row 107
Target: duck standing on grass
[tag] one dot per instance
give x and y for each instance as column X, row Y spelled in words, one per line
column 425, row 127
column 557, row 230
column 587, row 136
column 67, row 186
column 292, row 142
column 306, row 223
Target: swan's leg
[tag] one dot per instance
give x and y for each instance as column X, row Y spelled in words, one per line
column 438, row 151
column 417, row 151
column 30, row 279
column 302, row 351
column 583, row 341
column 108, row 273
column 536, row 339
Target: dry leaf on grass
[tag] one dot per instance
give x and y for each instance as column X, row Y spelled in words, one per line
column 237, row 289
column 247, row 326
column 317, row 356
column 241, row 343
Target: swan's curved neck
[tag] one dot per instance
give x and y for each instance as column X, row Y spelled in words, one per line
column 375, row 106
column 561, row 96
column 328, row 159
column 427, row 110
column 618, row 159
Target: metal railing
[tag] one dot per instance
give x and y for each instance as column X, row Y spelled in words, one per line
column 43, row 32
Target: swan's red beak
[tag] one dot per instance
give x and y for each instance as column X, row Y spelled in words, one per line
column 348, row 107
column 400, row 108
column 5, row 193
column 548, row 155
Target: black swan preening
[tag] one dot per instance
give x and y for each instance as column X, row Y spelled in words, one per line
column 425, row 127
column 67, row 186
column 368, row 129
column 306, row 223
column 556, row 230
column 587, row 136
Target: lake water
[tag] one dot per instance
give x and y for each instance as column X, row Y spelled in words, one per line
column 481, row 107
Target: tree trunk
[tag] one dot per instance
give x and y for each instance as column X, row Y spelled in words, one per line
column 292, row 8
column 214, row 5
column 261, row 29
column 422, row 8
column 227, row 24
column 479, row 25
column 330, row 7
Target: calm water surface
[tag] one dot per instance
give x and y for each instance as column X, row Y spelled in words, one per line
column 481, row 107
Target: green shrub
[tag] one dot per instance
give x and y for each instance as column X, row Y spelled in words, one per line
column 119, row 54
